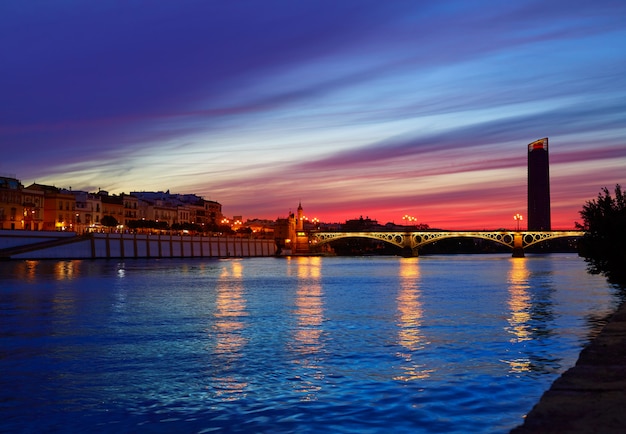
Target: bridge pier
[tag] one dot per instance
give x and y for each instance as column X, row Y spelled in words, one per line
column 518, row 253
column 518, row 250
column 409, row 252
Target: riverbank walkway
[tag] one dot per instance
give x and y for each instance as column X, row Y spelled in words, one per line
column 591, row 396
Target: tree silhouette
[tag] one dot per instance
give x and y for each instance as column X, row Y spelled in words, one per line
column 108, row 220
column 604, row 244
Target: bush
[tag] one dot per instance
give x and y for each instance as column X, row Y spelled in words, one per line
column 604, row 244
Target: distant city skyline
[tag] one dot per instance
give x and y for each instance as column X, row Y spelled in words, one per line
column 355, row 108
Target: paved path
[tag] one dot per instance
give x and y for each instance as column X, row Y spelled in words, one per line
column 591, row 396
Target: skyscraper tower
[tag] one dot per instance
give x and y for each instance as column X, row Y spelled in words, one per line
column 538, row 186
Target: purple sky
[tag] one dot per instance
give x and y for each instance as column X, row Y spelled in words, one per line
column 373, row 108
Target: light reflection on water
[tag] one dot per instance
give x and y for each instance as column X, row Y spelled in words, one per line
column 431, row 344
column 410, row 313
column 306, row 344
column 520, row 305
column 230, row 309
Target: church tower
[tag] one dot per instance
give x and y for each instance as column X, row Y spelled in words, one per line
column 299, row 221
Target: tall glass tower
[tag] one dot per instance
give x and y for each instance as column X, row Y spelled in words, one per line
column 538, row 186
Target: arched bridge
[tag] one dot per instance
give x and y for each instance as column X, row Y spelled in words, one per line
column 516, row 240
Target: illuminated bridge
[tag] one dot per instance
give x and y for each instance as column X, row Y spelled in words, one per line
column 516, row 240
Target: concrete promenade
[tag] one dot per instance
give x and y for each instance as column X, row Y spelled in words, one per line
column 591, row 396
column 69, row 245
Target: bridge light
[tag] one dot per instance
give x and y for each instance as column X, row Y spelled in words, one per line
column 518, row 218
column 408, row 219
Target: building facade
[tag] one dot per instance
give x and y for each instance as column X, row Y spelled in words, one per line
column 11, row 207
column 33, row 201
column 46, row 207
column 59, row 207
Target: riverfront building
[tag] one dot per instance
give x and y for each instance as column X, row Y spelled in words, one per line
column 538, row 186
column 289, row 233
column 49, row 208
column 11, row 208
column 59, row 207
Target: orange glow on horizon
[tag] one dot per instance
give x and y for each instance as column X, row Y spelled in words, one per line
column 448, row 218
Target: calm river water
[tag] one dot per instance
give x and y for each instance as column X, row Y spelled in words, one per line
column 435, row 344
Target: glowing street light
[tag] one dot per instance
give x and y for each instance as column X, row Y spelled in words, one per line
column 518, row 218
column 315, row 221
column 408, row 219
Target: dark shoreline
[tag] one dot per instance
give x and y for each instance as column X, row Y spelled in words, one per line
column 591, row 396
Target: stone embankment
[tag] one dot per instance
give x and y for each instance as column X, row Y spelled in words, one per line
column 69, row 245
column 591, row 396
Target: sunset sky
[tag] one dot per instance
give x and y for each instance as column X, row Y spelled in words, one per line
column 353, row 107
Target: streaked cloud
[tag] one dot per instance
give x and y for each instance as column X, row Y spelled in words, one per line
column 354, row 108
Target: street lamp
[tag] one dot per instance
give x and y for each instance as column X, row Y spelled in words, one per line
column 518, row 218
column 408, row 219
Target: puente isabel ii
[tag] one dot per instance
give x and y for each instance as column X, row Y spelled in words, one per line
column 516, row 240
column 539, row 225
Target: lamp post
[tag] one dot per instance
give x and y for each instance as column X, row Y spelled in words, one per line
column 518, row 218
column 408, row 219
column 315, row 222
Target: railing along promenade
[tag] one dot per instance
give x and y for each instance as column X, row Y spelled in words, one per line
column 516, row 240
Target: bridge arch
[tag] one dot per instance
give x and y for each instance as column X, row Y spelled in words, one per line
column 424, row 238
column 395, row 238
column 516, row 241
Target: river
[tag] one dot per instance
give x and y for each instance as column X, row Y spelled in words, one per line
column 435, row 344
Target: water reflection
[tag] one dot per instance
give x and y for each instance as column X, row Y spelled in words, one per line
column 27, row 270
column 53, row 270
column 121, row 291
column 519, row 300
column 519, row 303
column 245, row 345
column 121, row 270
column 65, row 270
column 229, row 327
column 530, row 314
column 410, row 315
column 309, row 313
